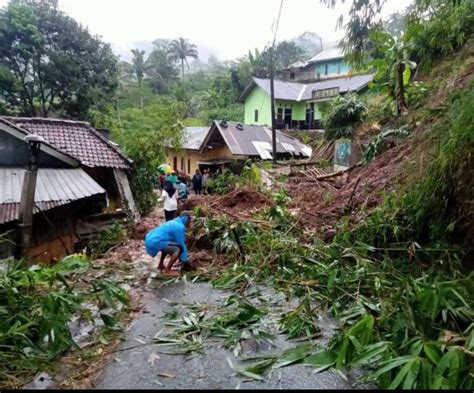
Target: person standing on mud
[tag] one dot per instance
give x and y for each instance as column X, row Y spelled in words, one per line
column 170, row 196
column 205, row 181
column 197, row 182
column 170, row 239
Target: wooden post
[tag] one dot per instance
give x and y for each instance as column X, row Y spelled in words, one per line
column 25, row 220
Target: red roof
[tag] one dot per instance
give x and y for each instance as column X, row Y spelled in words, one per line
column 76, row 138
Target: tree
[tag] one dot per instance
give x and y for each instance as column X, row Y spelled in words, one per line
column 393, row 65
column 362, row 19
column 287, row 53
column 139, row 68
column 50, row 63
column 144, row 135
column 181, row 49
column 161, row 71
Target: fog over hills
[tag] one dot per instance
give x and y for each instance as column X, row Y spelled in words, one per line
column 309, row 41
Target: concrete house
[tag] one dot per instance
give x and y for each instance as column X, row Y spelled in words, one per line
column 328, row 64
column 300, row 91
column 297, row 105
column 186, row 160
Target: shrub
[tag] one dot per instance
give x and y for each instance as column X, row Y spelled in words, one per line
column 343, row 115
column 107, row 238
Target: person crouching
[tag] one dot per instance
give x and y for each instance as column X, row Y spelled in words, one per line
column 170, row 239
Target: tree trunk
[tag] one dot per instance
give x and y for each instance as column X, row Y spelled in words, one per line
column 182, row 68
column 118, row 114
column 400, row 94
column 141, row 92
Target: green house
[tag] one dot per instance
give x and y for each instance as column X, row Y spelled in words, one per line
column 297, row 105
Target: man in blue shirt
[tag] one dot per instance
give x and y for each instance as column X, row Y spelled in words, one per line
column 170, row 239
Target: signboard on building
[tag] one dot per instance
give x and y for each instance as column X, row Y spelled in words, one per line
column 325, row 93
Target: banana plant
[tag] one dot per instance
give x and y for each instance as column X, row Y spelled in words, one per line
column 393, row 66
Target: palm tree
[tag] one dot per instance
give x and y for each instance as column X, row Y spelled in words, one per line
column 139, row 69
column 181, row 49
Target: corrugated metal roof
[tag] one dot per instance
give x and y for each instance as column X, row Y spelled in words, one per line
column 303, row 91
column 193, row 137
column 54, row 187
column 328, row 54
column 283, row 90
column 77, row 138
column 345, row 85
column 240, row 141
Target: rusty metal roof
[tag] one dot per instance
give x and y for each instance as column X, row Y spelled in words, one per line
column 255, row 141
column 76, row 138
column 54, row 187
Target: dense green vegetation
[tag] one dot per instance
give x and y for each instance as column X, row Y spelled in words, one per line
column 37, row 305
column 51, row 65
column 399, row 280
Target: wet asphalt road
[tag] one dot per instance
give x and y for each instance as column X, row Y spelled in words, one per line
column 134, row 369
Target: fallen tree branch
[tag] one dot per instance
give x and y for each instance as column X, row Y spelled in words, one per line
column 353, row 193
column 338, row 173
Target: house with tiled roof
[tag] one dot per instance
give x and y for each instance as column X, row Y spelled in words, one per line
column 64, row 194
column 98, row 156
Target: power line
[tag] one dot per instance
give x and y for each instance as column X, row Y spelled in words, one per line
column 272, row 88
column 277, row 23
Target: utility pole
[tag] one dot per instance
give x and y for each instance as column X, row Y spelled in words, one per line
column 25, row 220
column 272, row 98
column 272, row 88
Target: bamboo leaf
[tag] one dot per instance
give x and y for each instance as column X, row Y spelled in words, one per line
column 401, row 375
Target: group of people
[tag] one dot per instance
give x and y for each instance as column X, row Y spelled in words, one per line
column 174, row 189
column 170, row 237
column 201, row 181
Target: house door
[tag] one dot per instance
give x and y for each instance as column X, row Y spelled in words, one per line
column 175, row 163
column 310, row 116
column 279, row 119
column 288, row 116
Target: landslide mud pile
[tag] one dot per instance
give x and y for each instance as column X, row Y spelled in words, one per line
column 321, row 201
column 239, row 203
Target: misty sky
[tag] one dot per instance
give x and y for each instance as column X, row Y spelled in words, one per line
column 227, row 28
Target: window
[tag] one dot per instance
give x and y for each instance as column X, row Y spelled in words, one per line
column 292, row 75
column 256, row 115
column 189, row 166
column 175, row 163
column 182, row 164
column 326, row 69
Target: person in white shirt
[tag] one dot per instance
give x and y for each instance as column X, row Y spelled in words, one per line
column 170, row 196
